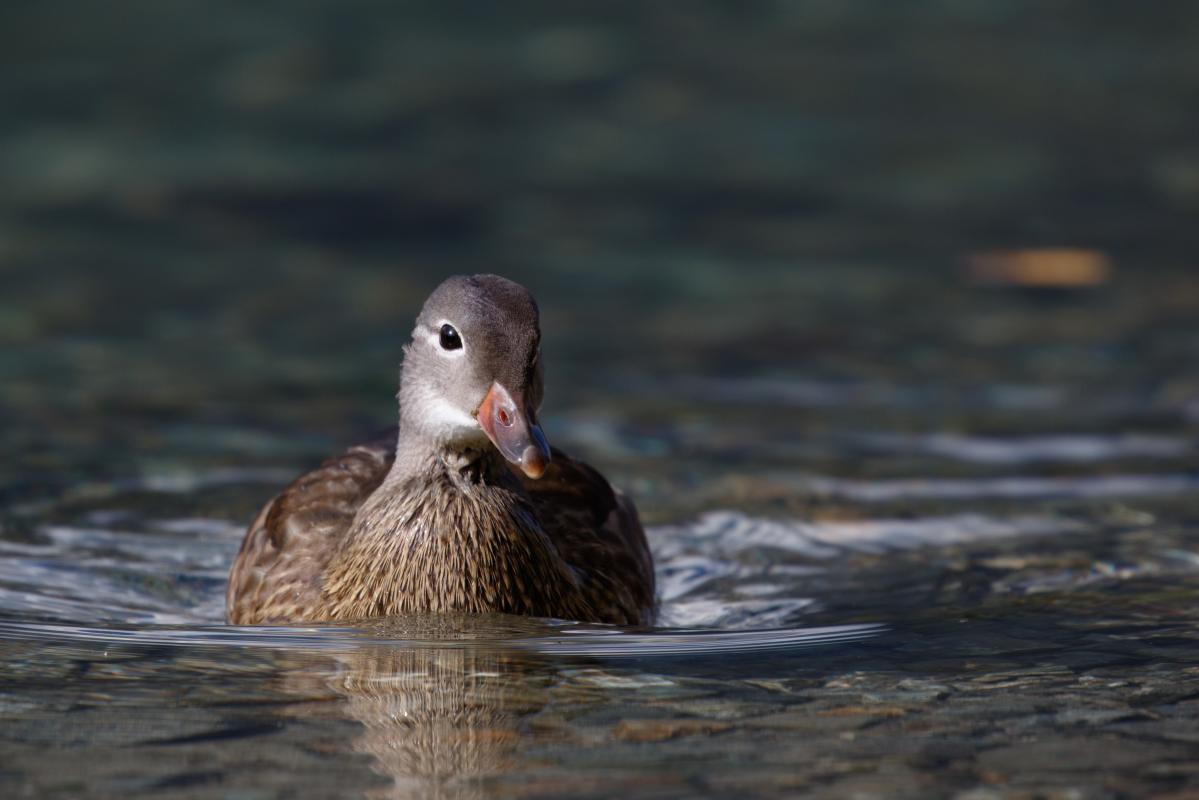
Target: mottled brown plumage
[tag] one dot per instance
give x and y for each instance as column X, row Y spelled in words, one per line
column 432, row 518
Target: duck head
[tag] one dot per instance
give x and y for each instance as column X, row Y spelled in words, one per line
column 472, row 372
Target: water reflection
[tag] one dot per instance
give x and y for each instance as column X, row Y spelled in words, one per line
column 440, row 722
column 452, row 720
column 443, row 706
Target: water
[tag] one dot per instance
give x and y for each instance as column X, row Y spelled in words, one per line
column 916, row 536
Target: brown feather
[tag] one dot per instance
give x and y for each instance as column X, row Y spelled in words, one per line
column 342, row 542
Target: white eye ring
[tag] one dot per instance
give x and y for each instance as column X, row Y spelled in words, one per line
column 438, row 335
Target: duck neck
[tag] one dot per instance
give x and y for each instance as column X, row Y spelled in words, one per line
column 469, row 464
column 435, row 434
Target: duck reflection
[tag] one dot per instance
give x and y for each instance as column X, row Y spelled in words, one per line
column 443, row 710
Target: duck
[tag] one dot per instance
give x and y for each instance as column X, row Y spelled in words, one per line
column 463, row 508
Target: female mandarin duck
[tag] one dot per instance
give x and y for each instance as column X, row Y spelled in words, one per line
column 464, row 508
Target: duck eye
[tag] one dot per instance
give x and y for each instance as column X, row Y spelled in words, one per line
column 450, row 340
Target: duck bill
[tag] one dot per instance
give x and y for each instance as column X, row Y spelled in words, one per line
column 512, row 427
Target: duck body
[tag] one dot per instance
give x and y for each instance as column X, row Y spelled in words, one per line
column 437, row 516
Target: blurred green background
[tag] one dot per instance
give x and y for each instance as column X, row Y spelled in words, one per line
column 217, row 219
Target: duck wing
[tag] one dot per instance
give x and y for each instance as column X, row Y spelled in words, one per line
column 277, row 575
column 596, row 530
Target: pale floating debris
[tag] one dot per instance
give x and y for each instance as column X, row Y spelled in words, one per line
column 1040, row 268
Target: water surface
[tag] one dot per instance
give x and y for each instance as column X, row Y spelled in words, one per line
column 916, row 536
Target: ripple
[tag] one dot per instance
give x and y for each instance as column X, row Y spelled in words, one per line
column 728, row 533
column 729, row 570
column 162, row 572
column 1014, row 487
column 1031, row 449
column 565, row 641
column 722, row 570
column 733, row 614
